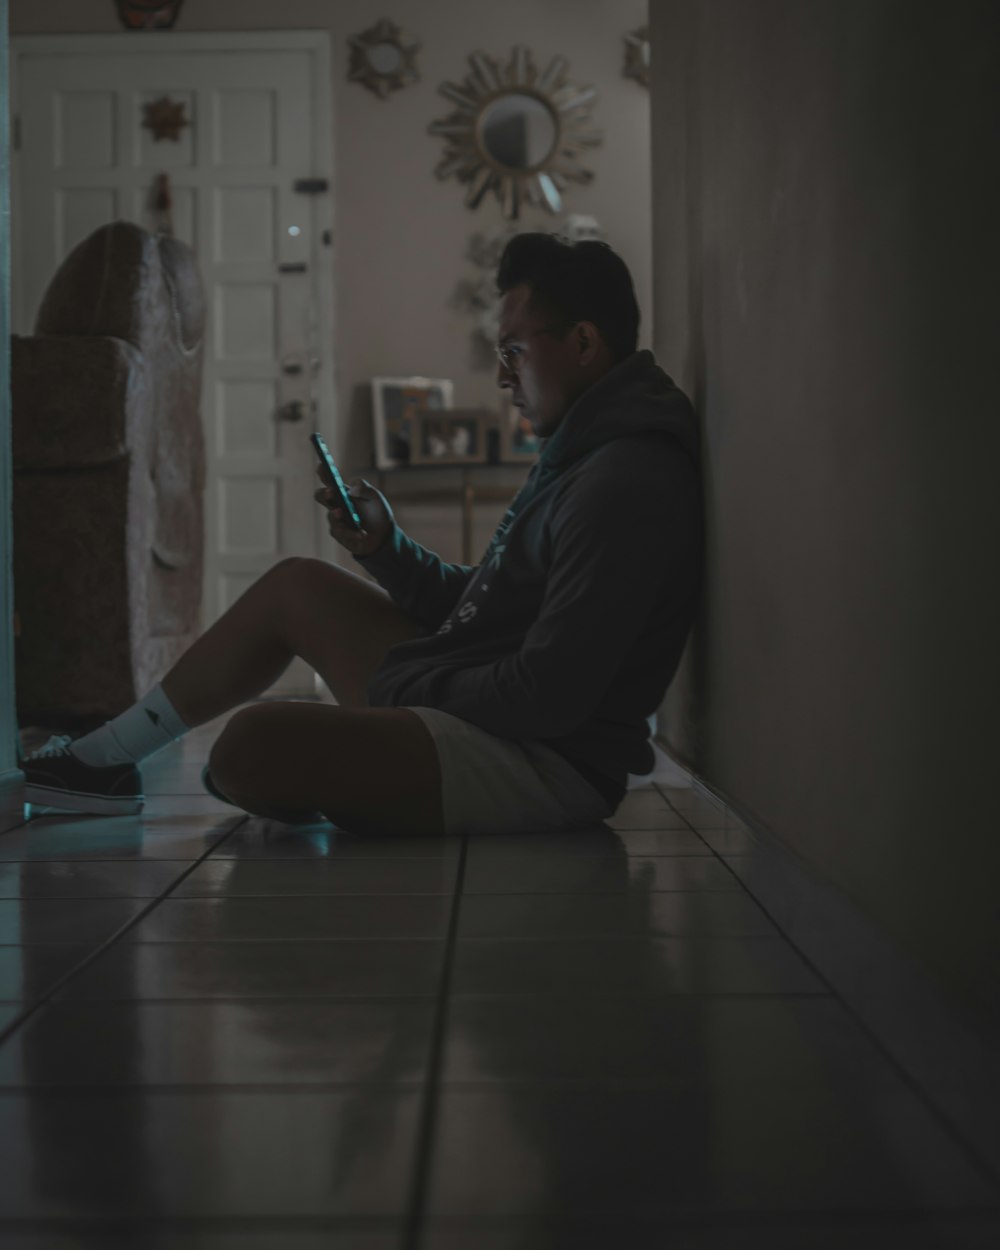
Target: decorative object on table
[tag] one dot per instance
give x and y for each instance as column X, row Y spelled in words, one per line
column 457, row 436
column 516, row 132
column 383, row 58
column 165, row 118
column 519, row 444
column 637, row 55
column 478, row 295
column 148, row 14
column 396, row 404
column 581, row 228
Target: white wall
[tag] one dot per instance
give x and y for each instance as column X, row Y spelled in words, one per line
column 400, row 232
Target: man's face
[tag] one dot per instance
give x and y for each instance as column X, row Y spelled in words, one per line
column 544, row 374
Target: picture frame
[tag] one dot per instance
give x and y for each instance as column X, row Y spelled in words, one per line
column 396, row 403
column 452, row 436
column 519, row 444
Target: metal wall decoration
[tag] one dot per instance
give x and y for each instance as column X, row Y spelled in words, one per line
column 477, row 295
column 165, row 118
column 516, row 132
column 383, row 58
column 161, row 206
column 637, row 55
column 148, row 14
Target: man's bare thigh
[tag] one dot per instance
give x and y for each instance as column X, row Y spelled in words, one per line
column 342, row 625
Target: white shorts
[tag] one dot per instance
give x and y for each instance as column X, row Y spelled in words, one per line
column 494, row 785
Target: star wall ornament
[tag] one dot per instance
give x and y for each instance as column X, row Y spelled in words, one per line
column 165, row 118
column 148, row 14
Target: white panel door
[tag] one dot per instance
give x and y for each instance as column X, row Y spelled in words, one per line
column 86, row 158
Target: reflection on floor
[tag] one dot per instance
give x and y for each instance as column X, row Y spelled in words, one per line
column 223, row 1032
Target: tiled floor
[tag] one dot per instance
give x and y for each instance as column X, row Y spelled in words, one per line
column 227, row 1033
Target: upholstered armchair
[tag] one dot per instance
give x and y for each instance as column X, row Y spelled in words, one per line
column 109, row 471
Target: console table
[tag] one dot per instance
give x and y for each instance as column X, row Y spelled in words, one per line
column 444, row 483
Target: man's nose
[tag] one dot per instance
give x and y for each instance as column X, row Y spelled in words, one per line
column 504, row 376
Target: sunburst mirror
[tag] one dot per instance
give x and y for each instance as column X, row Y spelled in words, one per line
column 516, row 132
column 637, row 55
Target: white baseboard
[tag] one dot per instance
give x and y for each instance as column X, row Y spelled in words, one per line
column 12, row 807
column 952, row 1057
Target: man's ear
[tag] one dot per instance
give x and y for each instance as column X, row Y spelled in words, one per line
column 589, row 342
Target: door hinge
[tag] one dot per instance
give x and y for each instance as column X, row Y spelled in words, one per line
column 310, row 186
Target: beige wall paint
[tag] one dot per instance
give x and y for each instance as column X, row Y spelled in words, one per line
column 826, row 266
column 400, row 233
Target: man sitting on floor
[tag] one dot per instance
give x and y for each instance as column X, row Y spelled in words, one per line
column 513, row 695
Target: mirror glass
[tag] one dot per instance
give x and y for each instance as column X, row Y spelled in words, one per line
column 518, row 131
column 385, row 58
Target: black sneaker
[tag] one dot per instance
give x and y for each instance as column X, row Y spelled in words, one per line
column 54, row 777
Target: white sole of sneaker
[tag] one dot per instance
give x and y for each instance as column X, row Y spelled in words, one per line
column 85, row 804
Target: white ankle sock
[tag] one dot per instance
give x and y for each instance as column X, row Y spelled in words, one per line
column 146, row 727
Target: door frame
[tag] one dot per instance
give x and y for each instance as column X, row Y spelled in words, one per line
column 11, row 778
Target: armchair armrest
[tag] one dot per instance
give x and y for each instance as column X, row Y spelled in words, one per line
column 74, row 401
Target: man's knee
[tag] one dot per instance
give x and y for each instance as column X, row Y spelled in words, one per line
column 235, row 758
column 306, row 584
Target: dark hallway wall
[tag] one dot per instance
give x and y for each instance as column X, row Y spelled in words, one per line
column 826, row 267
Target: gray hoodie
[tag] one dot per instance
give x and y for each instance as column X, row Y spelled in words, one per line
column 571, row 627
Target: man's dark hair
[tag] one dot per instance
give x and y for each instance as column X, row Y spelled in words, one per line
column 572, row 282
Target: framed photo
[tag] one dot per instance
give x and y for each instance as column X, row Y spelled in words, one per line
column 396, row 404
column 519, row 444
column 457, row 436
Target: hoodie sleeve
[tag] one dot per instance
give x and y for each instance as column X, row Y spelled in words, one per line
column 418, row 580
column 623, row 540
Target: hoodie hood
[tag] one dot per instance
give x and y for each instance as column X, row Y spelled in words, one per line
column 635, row 397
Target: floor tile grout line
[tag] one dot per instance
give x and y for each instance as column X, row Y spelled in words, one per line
column 622, row 892
column 607, row 1085
column 164, row 1088
column 156, row 1226
column 417, row 1202
column 983, row 1164
column 816, row 1219
column 409, row 939
column 462, row 996
column 75, row 971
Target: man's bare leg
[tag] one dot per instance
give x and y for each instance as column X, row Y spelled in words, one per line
column 368, row 770
column 365, row 768
column 335, row 620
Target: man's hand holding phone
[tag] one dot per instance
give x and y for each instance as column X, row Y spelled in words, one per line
column 370, row 505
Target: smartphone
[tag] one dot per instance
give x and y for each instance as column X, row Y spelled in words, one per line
column 345, row 502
